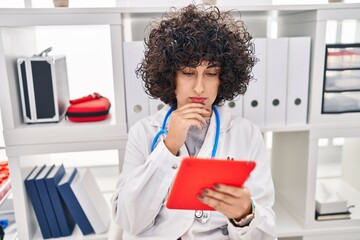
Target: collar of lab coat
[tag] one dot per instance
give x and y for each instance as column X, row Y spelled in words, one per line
column 226, row 119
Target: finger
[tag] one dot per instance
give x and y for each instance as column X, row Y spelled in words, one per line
column 195, row 116
column 230, row 190
column 183, row 113
column 212, row 202
column 191, row 105
column 229, row 210
column 195, row 123
column 202, row 111
column 230, row 199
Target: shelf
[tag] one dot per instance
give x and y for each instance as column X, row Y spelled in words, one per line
column 286, row 224
column 106, row 184
column 77, row 234
column 68, row 132
column 101, row 72
column 287, row 128
column 331, row 130
column 235, row 5
column 58, row 16
column 67, row 136
column 64, row 132
column 125, row 7
column 325, row 128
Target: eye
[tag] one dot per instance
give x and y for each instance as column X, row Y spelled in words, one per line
column 212, row 74
column 189, row 74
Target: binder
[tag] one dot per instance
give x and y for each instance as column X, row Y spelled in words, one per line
column 62, row 213
column 36, row 202
column 254, row 98
column 91, row 201
column 137, row 101
column 46, row 202
column 298, row 80
column 235, row 106
column 276, row 78
column 72, row 203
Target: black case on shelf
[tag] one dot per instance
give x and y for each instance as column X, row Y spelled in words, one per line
column 43, row 87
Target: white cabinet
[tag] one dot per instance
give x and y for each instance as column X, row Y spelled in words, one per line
column 295, row 148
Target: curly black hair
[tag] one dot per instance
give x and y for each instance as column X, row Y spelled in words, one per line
column 190, row 35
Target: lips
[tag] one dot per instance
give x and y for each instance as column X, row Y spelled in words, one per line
column 198, row 99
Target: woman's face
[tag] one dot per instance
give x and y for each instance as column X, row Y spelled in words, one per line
column 197, row 84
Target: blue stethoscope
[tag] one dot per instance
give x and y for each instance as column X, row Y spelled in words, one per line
column 164, row 131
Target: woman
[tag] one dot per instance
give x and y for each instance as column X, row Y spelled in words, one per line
column 195, row 59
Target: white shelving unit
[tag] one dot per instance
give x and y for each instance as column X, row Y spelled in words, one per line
column 295, row 148
column 28, row 145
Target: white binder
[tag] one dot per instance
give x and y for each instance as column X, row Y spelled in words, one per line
column 137, row 101
column 254, row 98
column 91, row 200
column 235, row 106
column 298, row 80
column 276, row 76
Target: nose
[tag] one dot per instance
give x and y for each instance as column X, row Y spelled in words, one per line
column 199, row 84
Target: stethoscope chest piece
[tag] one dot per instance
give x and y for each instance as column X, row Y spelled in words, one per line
column 202, row 216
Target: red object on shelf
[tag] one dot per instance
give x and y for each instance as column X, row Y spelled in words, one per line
column 4, row 164
column 4, row 179
column 93, row 107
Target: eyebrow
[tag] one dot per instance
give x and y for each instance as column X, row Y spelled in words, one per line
column 213, row 66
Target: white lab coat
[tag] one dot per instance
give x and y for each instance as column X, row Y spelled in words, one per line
column 138, row 201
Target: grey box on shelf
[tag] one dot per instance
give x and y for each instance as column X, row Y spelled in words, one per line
column 43, row 87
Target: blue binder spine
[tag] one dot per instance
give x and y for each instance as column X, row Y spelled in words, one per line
column 73, row 204
column 63, row 215
column 46, row 203
column 36, row 203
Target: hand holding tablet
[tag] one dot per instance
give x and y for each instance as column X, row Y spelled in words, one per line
column 196, row 174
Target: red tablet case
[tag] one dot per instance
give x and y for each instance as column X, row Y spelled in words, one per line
column 93, row 107
column 195, row 174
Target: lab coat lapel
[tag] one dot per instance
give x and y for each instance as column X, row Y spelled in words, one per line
column 157, row 119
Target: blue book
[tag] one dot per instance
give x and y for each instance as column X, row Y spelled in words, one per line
column 63, row 215
column 36, row 202
column 72, row 203
column 46, row 202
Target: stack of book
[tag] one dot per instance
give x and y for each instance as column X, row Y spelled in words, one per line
column 62, row 199
column 330, row 205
